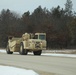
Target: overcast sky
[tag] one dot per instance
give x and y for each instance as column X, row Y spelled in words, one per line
column 22, row 6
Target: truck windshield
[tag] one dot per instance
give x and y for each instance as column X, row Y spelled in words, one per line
column 42, row 37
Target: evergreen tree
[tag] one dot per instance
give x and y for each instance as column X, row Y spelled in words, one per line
column 68, row 7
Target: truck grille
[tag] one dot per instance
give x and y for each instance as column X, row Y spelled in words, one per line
column 37, row 45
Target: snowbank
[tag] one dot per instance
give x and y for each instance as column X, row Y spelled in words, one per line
column 60, row 55
column 2, row 50
column 6, row 70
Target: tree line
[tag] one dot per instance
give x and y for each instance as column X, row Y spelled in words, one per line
column 59, row 24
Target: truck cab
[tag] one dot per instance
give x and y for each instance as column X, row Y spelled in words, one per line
column 41, row 36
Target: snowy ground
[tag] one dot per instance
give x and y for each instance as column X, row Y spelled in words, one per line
column 4, row 70
column 60, row 55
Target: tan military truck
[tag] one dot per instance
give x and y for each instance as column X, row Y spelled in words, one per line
column 27, row 43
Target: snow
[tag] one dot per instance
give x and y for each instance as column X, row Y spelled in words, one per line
column 6, row 70
column 60, row 55
column 2, row 50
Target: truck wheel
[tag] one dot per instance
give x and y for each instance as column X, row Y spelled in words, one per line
column 37, row 52
column 22, row 50
column 8, row 50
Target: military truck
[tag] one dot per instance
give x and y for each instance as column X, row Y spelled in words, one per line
column 29, row 42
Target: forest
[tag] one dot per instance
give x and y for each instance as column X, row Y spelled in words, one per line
column 59, row 24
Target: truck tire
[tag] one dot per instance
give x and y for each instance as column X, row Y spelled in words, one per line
column 22, row 50
column 37, row 52
column 8, row 50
